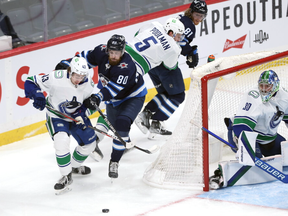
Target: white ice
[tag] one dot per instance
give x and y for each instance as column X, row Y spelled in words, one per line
column 29, row 172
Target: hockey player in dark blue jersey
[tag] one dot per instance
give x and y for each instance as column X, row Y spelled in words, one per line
column 122, row 88
column 195, row 14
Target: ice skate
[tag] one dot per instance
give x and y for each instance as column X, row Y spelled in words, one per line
column 113, row 169
column 83, row 170
column 63, row 184
column 97, row 155
column 216, row 181
column 157, row 129
column 142, row 120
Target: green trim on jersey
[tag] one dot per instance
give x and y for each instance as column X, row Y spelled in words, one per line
column 138, row 58
column 266, row 138
column 171, row 68
column 245, row 121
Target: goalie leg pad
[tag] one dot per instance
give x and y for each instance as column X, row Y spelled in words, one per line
column 236, row 174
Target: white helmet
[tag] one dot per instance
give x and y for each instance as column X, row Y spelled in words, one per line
column 175, row 25
column 79, row 66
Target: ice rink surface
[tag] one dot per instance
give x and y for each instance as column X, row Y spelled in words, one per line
column 29, row 172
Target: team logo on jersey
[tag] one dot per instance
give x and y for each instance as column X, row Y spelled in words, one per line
column 107, row 65
column 123, row 65
column 254, row 94
column 277, row 117
column 103, row 47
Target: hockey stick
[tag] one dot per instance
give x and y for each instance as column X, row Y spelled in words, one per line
column 152, row 150
column 258, row 162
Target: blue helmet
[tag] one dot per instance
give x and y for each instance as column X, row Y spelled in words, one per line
column 268, row 85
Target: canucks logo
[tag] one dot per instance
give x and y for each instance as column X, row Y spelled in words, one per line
column 276, row 119
column 67, row 106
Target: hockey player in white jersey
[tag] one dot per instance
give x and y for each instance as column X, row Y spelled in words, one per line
column 155, row 50
column 261, row 110
column 67, row 89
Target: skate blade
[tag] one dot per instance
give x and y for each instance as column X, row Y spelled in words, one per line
column 142, row 128
column 96, row 156
column 64, row 190
column 155, row 136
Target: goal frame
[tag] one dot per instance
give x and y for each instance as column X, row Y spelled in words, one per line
column 204, row 101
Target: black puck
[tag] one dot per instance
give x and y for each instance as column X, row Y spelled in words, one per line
column 105, row 210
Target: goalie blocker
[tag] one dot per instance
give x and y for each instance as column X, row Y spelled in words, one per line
column 248, row 169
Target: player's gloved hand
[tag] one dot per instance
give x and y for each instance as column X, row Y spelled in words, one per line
column 93, row 101
column 80, row 123
column 129, row 145
column 61, row 66
column 39, row 99
column 79, row 115
column 192, row 58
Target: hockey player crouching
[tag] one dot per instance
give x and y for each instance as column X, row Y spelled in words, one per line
column 257, row 120
column 67, row 89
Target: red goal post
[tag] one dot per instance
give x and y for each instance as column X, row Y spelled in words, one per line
column 190, row 155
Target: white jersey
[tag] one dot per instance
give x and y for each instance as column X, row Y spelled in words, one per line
column 151, row 46
column 263, row 118
column 63, row 95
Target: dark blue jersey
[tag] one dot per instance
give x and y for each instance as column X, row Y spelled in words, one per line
column 119, row 82
column 189, row 32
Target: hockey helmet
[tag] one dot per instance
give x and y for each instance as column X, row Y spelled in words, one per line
column 268, row 85
column 176, row 26
column 199, row 7
column 116, row 42
column 79, row 66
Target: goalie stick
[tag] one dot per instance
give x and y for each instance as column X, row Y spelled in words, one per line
column 152, row 150
column 258, row 162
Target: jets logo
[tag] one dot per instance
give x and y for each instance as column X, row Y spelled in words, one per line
column 107, row 65
column 103, row 47
column 123, row 65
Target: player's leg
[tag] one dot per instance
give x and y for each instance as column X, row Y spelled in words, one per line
column 59, row 132
column 86, row 140
column 122, row 117
column 272, row 148
column 96, row 154
column 171, row 93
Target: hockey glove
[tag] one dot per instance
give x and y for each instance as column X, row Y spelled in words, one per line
column 61, row 66
column 93, row 101
column 192, row 58
column 39, row 99
column 80, row 115
column 129, row 145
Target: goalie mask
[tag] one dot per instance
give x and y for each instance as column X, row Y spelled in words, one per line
column 268, row 85
column 78, row 65
column 176, row 26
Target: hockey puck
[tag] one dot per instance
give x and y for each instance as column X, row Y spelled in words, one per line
column 105, row 210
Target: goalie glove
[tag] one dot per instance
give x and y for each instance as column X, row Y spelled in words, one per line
column 192, row 58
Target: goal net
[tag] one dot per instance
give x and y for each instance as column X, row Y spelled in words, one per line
column 215, row 92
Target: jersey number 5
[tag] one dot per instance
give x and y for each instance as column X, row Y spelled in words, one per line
column 141, row 46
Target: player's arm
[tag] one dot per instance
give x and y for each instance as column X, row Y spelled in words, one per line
column 91, row 57
column 33, row 90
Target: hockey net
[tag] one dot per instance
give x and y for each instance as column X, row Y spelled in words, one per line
column 184, row 160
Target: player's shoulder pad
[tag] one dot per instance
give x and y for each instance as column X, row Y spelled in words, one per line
column 254, row 94
column 59, row 74
column 126, row 62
